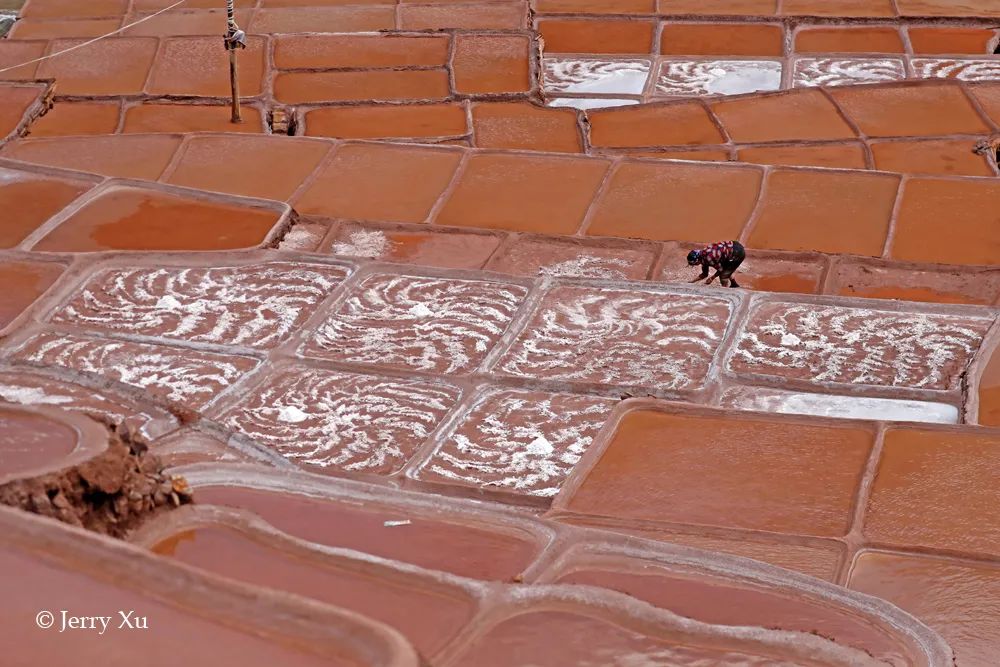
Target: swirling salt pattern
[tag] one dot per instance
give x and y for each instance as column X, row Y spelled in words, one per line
column 617, row 337
column 341, row 420
column 858, row 346
column 527, row 442
column 963, row 69
column 256, row 306
column 847, row 71
column 596, row 76
column 430, row 324
column 717, row 77
column 189, row 377
column 588, row 266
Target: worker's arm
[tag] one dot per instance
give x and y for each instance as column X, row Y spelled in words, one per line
column 704, row 271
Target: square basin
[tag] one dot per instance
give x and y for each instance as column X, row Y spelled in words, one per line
column 132, row 218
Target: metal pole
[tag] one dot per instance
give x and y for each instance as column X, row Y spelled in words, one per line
column 235, row 38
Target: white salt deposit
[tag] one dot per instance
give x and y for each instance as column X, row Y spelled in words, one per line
column 292, row 414
column 845, row 407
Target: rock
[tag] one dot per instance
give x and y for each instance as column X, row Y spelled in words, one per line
column 112, row 493
column 41, row 503
column 60, row 501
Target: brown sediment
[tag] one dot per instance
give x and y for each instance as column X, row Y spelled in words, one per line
column 906, row 294
column 269, row 168
column 78, row 118
column 676, row 201
column 686, row 469
column 147, row 117
column 844, row 156
column 525, row 126
column 913, row 282
column 173, row 71
column 563, row 36
column 491, row 63
column 721, row 39
column 136, row 219
column 968, row 205
column 387, row 121
column 28, row 202
column 124, row 156
column 849, row 40
column 111, row 493
column 542, row 193
column 834, row 213
column 344, row 187
column 920, row 470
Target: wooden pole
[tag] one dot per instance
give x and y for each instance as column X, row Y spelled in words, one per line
column 235, row 81
column 233, row 39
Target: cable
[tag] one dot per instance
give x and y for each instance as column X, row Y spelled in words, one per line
column 96, row 39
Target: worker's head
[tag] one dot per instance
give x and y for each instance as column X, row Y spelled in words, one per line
column 694, row 257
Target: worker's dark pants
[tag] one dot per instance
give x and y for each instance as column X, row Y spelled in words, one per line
column 728, row 266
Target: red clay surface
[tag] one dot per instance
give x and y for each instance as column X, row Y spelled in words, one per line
column 435, row 362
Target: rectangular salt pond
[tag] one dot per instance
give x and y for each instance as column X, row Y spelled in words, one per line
column 844, row 407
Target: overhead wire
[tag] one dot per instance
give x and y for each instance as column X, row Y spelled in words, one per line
column 96, row 39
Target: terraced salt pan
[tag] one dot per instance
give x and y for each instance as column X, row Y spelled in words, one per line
column 717, row 77
column 829, row 405
column 367, row 243
column 520, row 441
column 588, row 267
column 190, row 609
column 604, row 77
column 452, row 541
column 963, row 69
column 30, row 441
column 427, row 611
column 841, row 345
column 561, row 626
column 414, row 244
column 30, row 389
column 590, row 102
column 256, row 306
column 303, row 236
column 545, row 257
column 655, row 340
column 847, row 71
column 341, row 421
column 442, row 325
column 190, row 377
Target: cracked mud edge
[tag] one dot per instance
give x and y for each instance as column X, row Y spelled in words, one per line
column 112, row 493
